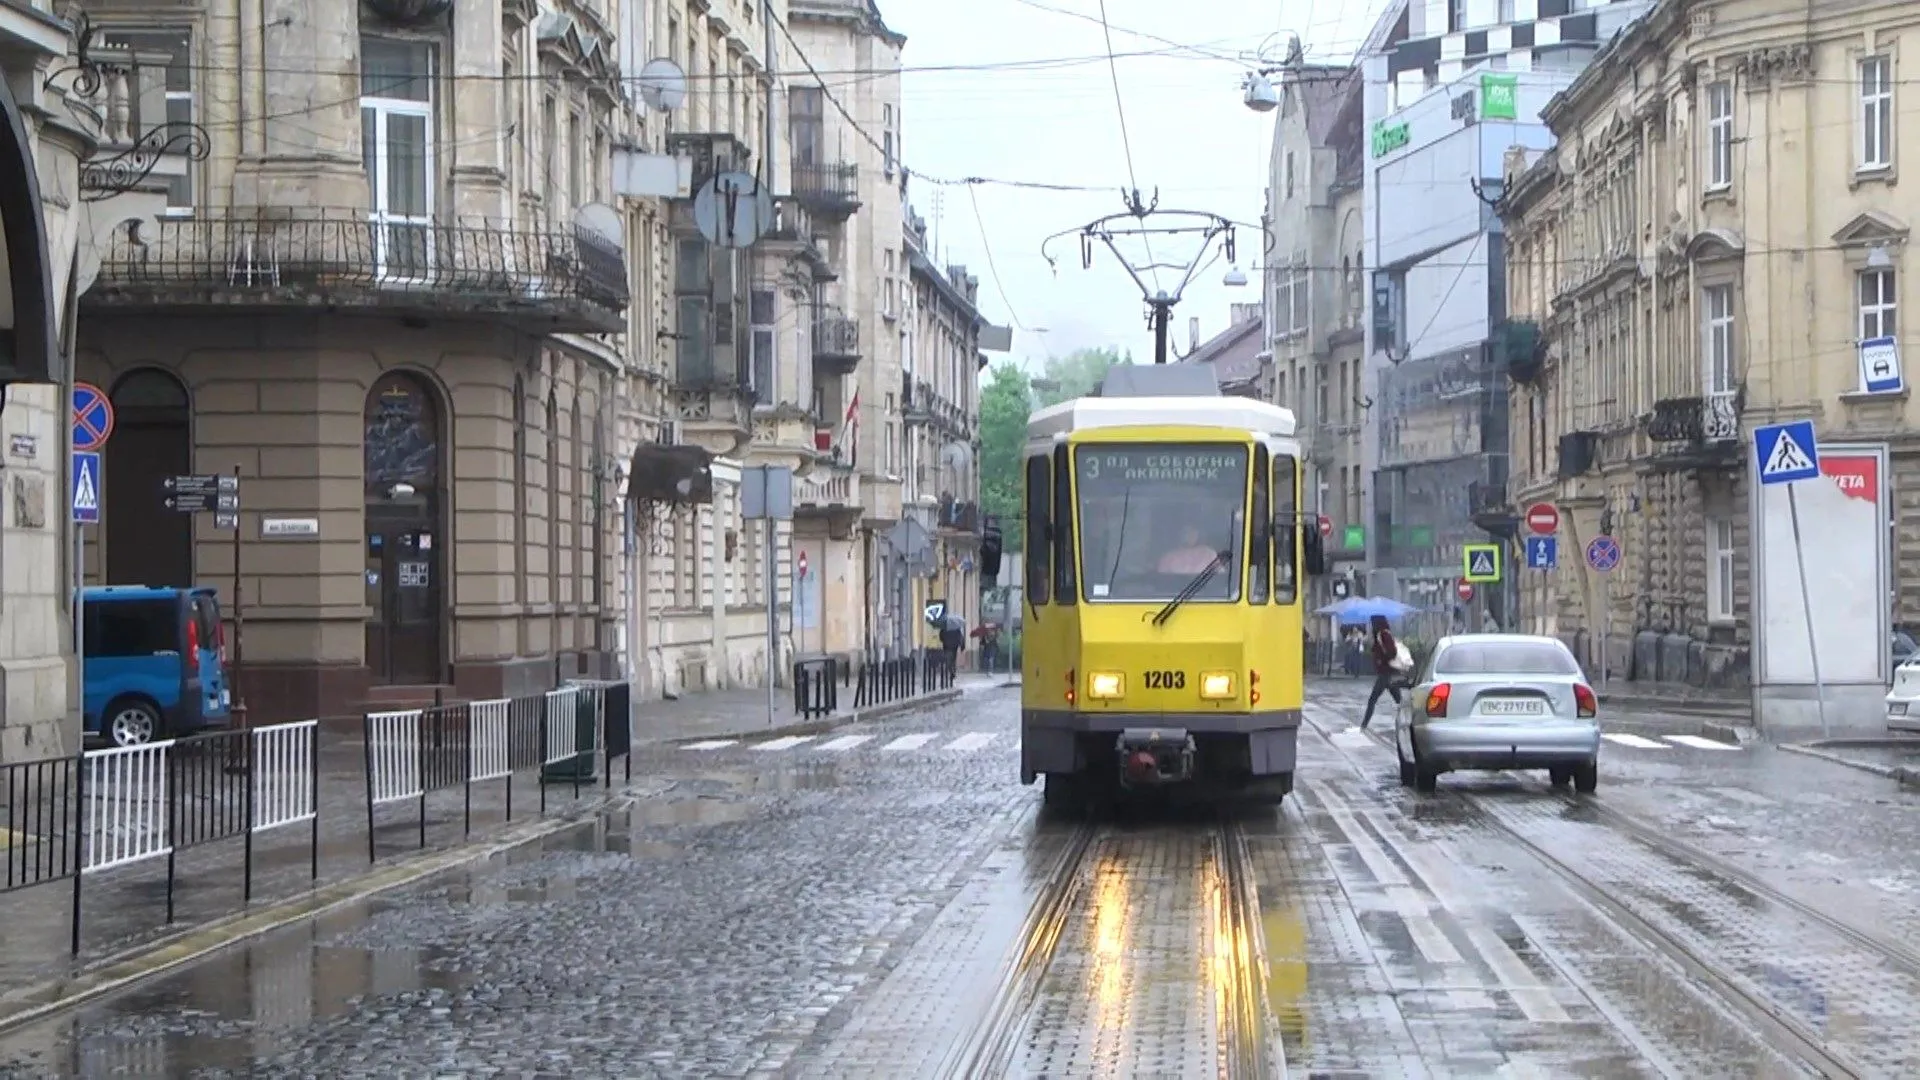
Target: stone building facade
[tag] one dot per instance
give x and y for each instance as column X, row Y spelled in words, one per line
column 1714, row 239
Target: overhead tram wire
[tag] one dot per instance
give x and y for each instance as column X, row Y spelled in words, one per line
column 992, row 266
column 1126, row 143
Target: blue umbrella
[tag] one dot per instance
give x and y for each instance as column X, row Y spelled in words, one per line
column 1360, row 609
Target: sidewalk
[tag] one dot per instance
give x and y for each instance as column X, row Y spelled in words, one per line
column 124, row 909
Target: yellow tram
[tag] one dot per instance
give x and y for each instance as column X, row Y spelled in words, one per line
column 1163, row 625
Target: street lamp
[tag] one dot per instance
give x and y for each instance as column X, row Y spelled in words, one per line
column 1235, row 279
column 1256, row 92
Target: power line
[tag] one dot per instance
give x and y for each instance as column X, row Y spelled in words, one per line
column 992, row 267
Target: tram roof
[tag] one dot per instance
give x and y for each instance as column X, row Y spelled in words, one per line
column 1228, row 413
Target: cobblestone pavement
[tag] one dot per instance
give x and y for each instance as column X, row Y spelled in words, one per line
column 885, row 900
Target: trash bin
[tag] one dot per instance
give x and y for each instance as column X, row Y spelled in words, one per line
column 581, row 768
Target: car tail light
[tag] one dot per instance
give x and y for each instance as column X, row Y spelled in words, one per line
column 1253, row 687
column 220, row 635
column 193, row 646
column 1437, row 700
column 1070, row 694
column 1583, row 697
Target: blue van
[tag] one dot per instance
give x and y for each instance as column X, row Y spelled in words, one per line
column 155, row 663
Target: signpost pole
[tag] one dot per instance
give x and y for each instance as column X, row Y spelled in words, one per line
column 773, row 611
column 239, row 621
column 1806, row 607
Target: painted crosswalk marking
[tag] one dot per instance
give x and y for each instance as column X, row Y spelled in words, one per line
column 844, row 742
column 710, row 744
column 1638, row 742
column 910, row 742
column 1699, row 743
column 973, row 740
column 784, row 743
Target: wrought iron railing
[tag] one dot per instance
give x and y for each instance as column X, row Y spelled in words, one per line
column 294, row 254
column 827, row 185
column 1710, row 418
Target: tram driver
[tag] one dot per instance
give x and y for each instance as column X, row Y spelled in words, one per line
column 1189, row 558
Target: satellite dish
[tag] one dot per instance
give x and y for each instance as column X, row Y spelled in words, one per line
column 733, row 210
column 663, row 86
column 603, row 221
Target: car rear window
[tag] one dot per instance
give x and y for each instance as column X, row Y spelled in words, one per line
column 123, row 628
column 206, row 614
column 1504, row 657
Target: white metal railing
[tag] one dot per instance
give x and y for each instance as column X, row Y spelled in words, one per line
column 1719, row 416
column 559, row 720
column 283, row 774
column 488, row 741
column 393, row 756
column 837, row 487
column 126, row 814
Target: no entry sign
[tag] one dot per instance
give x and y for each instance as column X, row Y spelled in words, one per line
column 1464, row 590
column 1543, row 519
column 1326, row 526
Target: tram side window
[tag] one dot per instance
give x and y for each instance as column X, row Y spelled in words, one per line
column 1065, row 588
column 1039, row 529
column 1260, row 552
column 1286, row 523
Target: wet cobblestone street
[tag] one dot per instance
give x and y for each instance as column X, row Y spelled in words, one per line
column 886, row 900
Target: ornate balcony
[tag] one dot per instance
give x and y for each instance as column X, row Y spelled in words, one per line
column 836, row 341
column 959, row 517
column 1695, row 432
column 1490, row 508
column 282, row 259
column 712, row 153
column 831, row 191
column 831, row 493
column 794, row 232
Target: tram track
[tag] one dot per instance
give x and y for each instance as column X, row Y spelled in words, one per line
column 1777, row 962
column 1141, row 946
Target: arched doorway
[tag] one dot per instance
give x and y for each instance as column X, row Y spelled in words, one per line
column 405, row 556
column 147, row 543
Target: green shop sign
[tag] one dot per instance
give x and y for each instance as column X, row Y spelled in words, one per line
column 1353, row 537
column 1499, row 97
column 1389, row 137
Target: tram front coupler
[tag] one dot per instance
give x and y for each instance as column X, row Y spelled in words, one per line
column 1152, row 757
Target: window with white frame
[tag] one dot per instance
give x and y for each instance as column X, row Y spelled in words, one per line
column 1876, row 112
column 1717, row 344
column 760, row 309
column 178, row 45
column 1290, row 303
column 1720, row 572
column 1719, row 135
column 1878, row 304
column 396, row 133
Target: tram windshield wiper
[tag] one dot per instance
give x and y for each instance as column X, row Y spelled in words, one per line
column 1193, row 587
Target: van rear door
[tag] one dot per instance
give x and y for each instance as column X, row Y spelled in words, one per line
column 214, row 695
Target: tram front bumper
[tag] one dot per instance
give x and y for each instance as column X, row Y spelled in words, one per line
column 1150, row 757
column 1059, row 740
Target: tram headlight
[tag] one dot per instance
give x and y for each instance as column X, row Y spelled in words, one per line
column 1216, row 684
column 1105, row 684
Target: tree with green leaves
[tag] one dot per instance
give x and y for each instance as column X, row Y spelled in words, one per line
column 1006, row 401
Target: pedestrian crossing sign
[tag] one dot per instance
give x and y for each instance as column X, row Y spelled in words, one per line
column 1786, row 452
column 1482, row 563
column 86, row 487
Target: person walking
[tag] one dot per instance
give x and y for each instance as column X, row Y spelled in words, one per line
column 1386, row 679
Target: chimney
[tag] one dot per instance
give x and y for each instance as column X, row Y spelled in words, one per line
column 1246, row 313
column 1193, row 332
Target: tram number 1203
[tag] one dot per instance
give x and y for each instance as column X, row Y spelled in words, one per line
column 1166, row 680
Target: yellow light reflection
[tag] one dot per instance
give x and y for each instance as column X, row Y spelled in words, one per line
column 1111, row 895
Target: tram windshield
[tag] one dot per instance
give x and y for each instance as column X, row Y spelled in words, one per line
column 1154, row 515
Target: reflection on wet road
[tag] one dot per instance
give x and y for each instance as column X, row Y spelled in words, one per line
column 887, row 901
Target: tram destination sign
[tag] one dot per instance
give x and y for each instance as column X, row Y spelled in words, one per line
column 1159, row 464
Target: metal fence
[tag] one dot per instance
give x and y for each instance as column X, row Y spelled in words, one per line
column 564, row 733
column 886, row 681
column 73, row 818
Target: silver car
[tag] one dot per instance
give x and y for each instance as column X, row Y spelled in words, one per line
column 1499, row 701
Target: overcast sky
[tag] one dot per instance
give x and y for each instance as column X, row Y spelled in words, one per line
column 1004, row 116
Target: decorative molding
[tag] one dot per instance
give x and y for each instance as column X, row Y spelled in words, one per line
column 1784, row 65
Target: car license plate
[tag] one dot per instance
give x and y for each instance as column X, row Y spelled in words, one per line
column 226, row 698
column 1897, row 708
column 1512, row 707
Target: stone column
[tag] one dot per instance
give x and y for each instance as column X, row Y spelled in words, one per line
column 304, row 146
column 478, row 164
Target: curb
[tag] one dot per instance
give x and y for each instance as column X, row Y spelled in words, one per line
column 1904, row 775
column 826, row 723
column 140, row 963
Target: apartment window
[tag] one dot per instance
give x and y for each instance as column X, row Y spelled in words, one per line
column 1718, row 343
column 576, row 165
column 1876, row 112
column 806, row 124
column 1877, row 304
column 1719, row 135
column 396, row 132
column 1456, row 16
column 1289, row 175
column 760, row 308
column 1720, row 573
column 178, row 45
